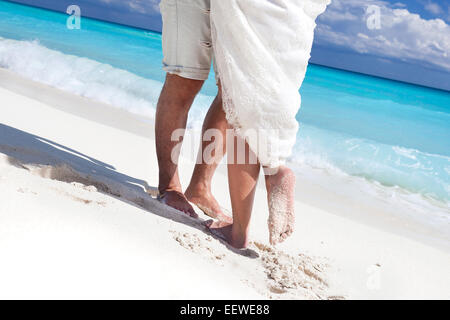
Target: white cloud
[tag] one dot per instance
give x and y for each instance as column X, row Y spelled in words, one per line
column 399, row 5
column 434, row 8
column 141, row 6
column 403, row 35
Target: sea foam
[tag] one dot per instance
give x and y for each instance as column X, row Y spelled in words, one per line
column 88, row 78
column 381, row 170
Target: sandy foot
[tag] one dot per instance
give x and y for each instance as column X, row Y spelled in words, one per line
column 281, row 198
column 207, row 203
column 216, row 214
column 178, row 201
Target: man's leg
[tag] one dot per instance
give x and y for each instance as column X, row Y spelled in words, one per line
column 199, row 190
column 173, row 106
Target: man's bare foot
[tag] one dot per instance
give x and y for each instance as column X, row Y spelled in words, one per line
column 206, row 202
column 177, row 200
column 280, row 195
column 225, row 231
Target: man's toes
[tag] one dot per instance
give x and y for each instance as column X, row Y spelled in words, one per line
column 192, row 213
column 208, row 223
column 187, row 210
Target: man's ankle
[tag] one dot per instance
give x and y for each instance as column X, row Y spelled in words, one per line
column 198, row 188
column 163, row 190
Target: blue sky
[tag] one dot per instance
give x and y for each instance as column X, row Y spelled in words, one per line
column 412, row 42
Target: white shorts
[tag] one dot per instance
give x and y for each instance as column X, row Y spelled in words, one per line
column 186, row 38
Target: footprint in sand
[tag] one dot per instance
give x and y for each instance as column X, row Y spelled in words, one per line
column 197, row 244
column 80, row 194
column 292, row 275
column 287, row 276
column 26, row 190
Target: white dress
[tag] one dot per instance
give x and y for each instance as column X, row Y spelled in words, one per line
column 262, row 49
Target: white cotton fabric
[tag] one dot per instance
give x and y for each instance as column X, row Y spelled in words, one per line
column 262, row 49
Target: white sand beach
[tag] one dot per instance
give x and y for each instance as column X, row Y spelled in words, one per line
column 76, row 221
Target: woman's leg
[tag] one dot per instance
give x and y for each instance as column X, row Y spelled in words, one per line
column 280, row 186
column 242, row 179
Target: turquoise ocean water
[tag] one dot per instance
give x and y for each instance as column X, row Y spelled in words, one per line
column 387, row 133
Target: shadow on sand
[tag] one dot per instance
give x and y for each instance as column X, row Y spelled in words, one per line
column 52, row 160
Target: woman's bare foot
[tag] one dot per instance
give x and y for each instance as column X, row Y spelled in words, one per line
column 177, row 200
column 280, row 195
column 227, row 232
column 206, row 202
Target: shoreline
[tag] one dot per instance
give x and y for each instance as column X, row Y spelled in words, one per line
column 383, row 215
column 119, row 146
column 140, row 29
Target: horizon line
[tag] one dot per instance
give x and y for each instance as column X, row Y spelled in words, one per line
column 159, row 32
